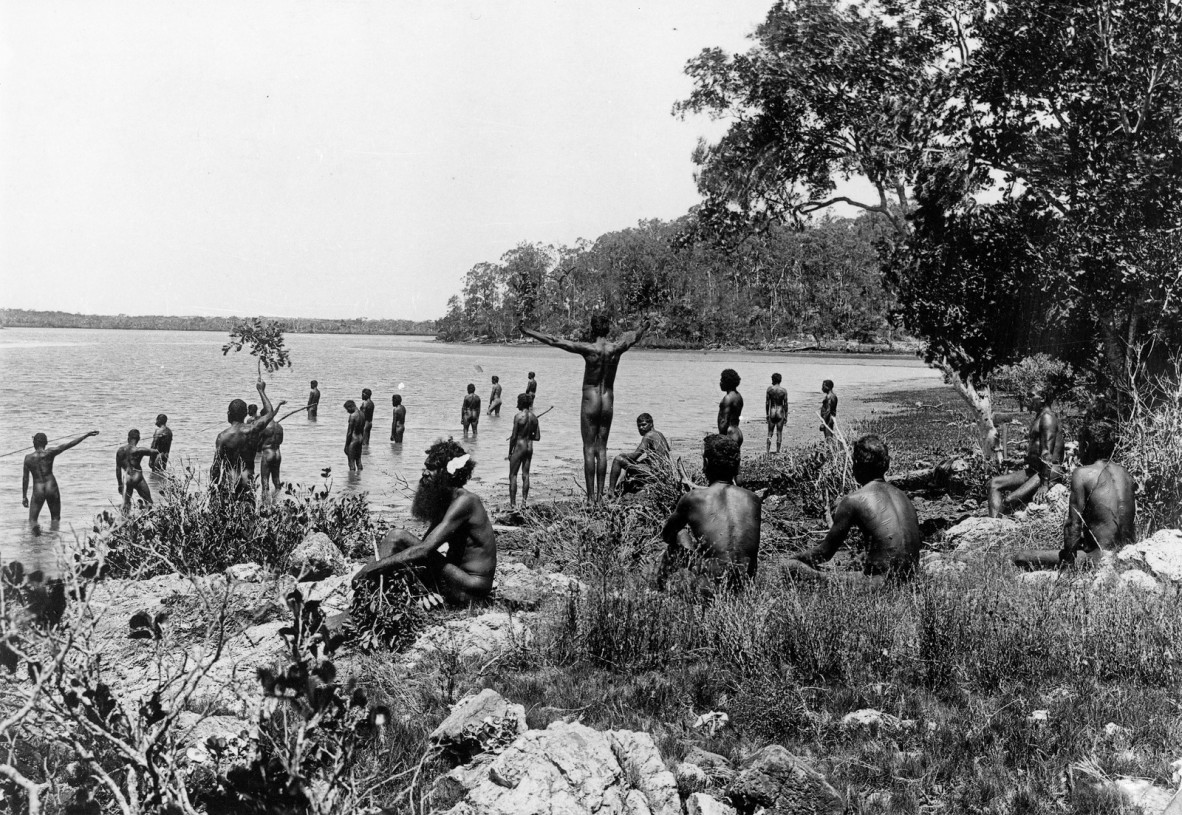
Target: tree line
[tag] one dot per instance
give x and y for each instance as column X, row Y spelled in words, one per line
column 778, row 285
column 15, row 317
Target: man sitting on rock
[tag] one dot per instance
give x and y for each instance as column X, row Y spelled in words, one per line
column 882, row 511
column 1102, row 514
column 653, row 447
column 1044, row 460
column 455, row 517
column 713, row 533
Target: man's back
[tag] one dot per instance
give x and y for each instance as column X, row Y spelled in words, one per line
column 888, row 520
column 1105, row 490
column 525, row 427
column 234, row 446
column 1046, row 431
column 603, row 361
column 777, row 396
column 162, row 439
column 655, row 443
column 471, row 402
column 726, row 521
column 40, row 463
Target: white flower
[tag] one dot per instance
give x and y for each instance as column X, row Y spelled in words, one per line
column 456, row 463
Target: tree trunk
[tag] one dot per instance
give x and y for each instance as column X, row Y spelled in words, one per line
column 980, row 401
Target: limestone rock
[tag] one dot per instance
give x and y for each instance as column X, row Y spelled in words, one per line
column 938, row 565
column 483, row 636
column 522, row 587
column 1058, row 500
column 245, row 572
column 1150, row 798
column 780, row 782
column 1161, row 553
column 1137, row 580
column 316, row 558
column 332, row 593
column 480, row 723
column 712, row 763
column 641, row 761
column 870, row 720
column 978, row 534
column 690, row 778
column 702, row 804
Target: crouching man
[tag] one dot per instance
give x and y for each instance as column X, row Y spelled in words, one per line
column 713, row 533
column 455, row 517
column 882, row 511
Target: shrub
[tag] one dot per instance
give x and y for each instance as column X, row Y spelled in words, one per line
column 1151, row 448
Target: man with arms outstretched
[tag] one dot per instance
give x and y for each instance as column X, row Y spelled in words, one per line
column 602, row 360
column 653, row 445
column 730, row 409
column 882, row 511
column 470, row 411
column 494, row 398
column 234, row 450
column 714, row 531
column 1044, row 460
column 128, row 472
column 521, row 448
column 161, row 443
column 39, row 468
column 776, row 410
column 1103, row 512
column 455, row 517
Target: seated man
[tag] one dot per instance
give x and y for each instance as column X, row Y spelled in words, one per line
column 1044, row 460
column 455, row 517
column 713, row 532
column 882, row 511
column 1102, row 514
column 653, row 445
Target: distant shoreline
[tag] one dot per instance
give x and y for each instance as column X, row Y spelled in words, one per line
column 26, row 318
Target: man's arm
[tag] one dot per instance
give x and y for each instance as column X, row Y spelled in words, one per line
column 537, row 430
column 724, row 414
column 119, row 468
column 767, row 403
column 677, row 522
column 266, row 414
column 557, row 342
column 843, row 521
column 457, row 515
column 632, row 337
column 1048, row 429
column 25, row 483
column 61, row 448
column 513, row 434
column 1073, row 528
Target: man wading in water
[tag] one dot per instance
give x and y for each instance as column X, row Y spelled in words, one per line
column 233, row 458
column 730, row 409
column 39, row 467
column 776, row 410
column 128, row 472
column 521, row 448
column 602, row 360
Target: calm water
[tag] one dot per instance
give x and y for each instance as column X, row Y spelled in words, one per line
column 65, row 382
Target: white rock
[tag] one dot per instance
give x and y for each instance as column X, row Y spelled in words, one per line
column 979, row 534
column 702, row 804
column 1161, row 552
column 938, row 565
column 1039, row 716
column 245, row 572
column 1142, row 793
column 1138, row 580
column 691, row 777
column 484, row 721
column 483, row 636
column 1112, row 730
column 869, row 719
column 317, row 557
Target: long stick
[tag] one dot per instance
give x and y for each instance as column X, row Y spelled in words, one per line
column 292, row 413
column 30, row 447
column 536, row 416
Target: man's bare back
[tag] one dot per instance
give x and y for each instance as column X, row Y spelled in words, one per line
column 776, row 410
column 235, row 446
column 38, row 468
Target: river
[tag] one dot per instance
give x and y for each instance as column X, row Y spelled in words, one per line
column 65, row 382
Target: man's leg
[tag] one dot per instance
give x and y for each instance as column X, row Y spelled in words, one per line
column 127, row 488
column 35, row 504
column 619, row 466
column 514, row 464
column 779, row 434
column 141, row 487
column 770, row 430
column 1009, row 481
column 526, row 462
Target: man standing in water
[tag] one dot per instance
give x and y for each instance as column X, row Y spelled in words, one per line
column 354, row 436
column 399, row 424
column 828, row 408
column 161, row 443
column 1044, row 460
column 602, row 360
column 367, row 408
column 233, row 459
column 313, row 399
column 269, row 456
column 457, row 518
column 730, row 409
column 470, row 411
column 531, row 389
column 653, row 444
column 521, row 448
column 882, row 511
column 39, row 467
column 128, row 473
column 776, row 410
column 494, row 398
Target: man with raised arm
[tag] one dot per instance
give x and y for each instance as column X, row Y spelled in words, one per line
column 39, row 468
column 1044, row 460
column 270, row 458
column 828, row 409
column 653, row 445
column 367, row 407
column 233, row 458
column 454, row 517
column 398, row 425
column 776, row 410
column 470, row 411
column 521, row 448
column 601, row 361
column 354, row 436
column 494, row 398
column 714, row 531
column 1103, row 512
column 161, row 443
column 882, row 511
column 730, row 409
column 313, row 399
column 129, row 474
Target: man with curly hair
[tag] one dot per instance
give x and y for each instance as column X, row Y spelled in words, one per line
column 454, row 517
column 730, row 409
column 713, row 533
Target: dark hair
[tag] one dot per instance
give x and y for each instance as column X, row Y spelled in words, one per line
column 776, row 378
column 647, row 418
column 237, row 410
column 252, row 410
column 396, row 398
column 471, row 388
column 720, row 457
column 366, row 393
column 827, row 385
column 600, row 325
column 730, row 379
column 133, row 434
column 40, row 440
column 871, row 457
column 161, row 419
column 496, row 378
column 315, row 383
column 1099, row 438
column 522, row 401
column 350, row 405
column 531, row 374
column 438, row 456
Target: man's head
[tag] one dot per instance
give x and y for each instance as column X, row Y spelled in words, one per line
column 600, row 326
column 1039, row 398
column 133, row 435
column 827, row 386
column 236, row 412
column 161, row 420
column 644, row 423
column 776, row 378
column 720, row 458
column 729, row 380
column 39, row 441
column 871, row 459
column 315, row 384
column 522, row 401
column 396, row 399
column 531, row 374
column 350, row 406
column 447, row 467
column 366, row 393
column 496, row 379
column 471, row 388
column 252, row 410
column 1097, row 440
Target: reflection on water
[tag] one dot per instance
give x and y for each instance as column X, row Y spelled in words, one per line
column 64, row 382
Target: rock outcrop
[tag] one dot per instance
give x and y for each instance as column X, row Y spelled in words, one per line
column 781, row 783
column 316, row 558
column 520, row 587
column 1161, row 554
column 482, row 723
column 976, row 535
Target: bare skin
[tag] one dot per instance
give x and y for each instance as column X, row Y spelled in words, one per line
column 367, row 407
column 715, row 531
column 313, row 402
column 128, row 473
column 162, row 443
column 888, row 521
column 270, row 458
column 776, row 410
column 470, row 413
column 730, row 411
column 466, row 572
column 1044, row 460
column 355, row 439
column 652, row 443
column 494, row 400
column 828, row 413
column 601, row 362
column 521, row 453
column 38, row 468
column 398, row 425
column 235, row 447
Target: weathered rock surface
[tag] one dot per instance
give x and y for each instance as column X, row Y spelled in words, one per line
column 974, row 535
column 1161, row 553
column 484, row 722
column 484, row 636
column 783, row 784
column 702, row 804
column 939, row 565
column 1148, row 797
column 316, row 558
column 246, row 572
column 522, row 587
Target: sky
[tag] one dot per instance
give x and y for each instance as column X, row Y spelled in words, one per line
column 331, row 159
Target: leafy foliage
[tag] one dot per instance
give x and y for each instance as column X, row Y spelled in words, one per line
column 265, row 338
column 386, row 612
